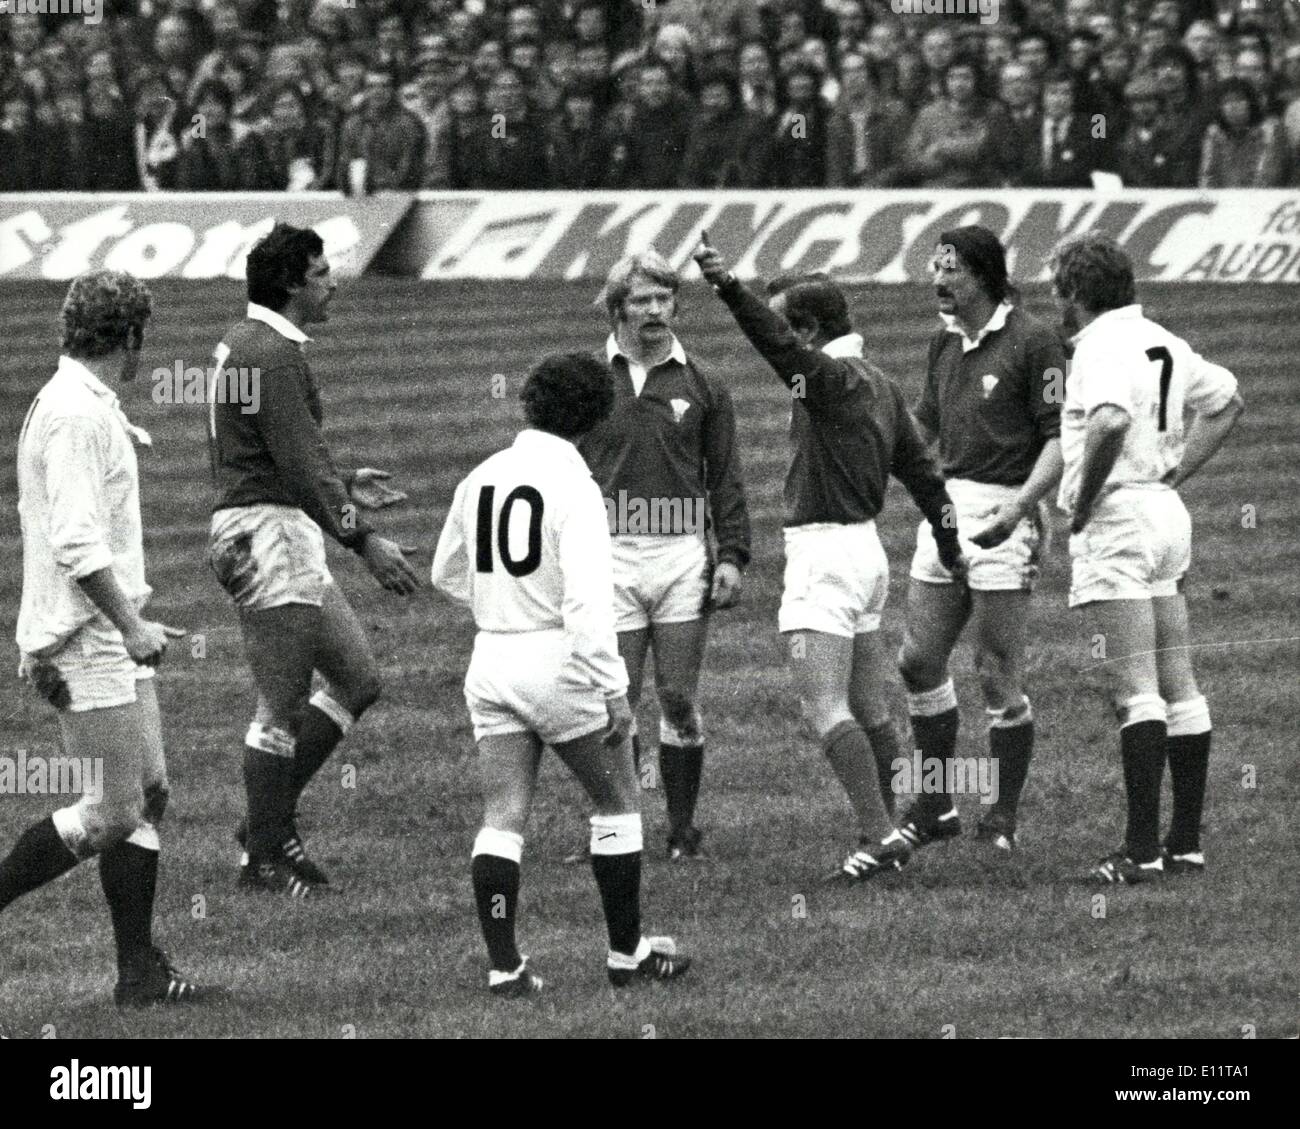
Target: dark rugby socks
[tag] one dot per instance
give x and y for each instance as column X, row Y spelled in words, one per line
column 39, row 856
column 495, row 872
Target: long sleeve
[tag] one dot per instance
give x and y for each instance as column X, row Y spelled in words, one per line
column 586, row 562
column 806, row 371
column 450, row 572
column 302, row 460
column 916, row 469
column 727, row 504
column 74, row 473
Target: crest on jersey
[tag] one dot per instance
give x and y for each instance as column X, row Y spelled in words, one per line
column 679, row 407
column 990, row 382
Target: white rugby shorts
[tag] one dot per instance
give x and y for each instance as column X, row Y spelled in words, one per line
column 95, row 667
column 659, row 579
column 266, row 555
column 1137, row 545
column 525, row 682
column 836, row 579
column 1009, row 567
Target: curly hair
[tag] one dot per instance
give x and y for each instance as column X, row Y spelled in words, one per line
column 813, row 298
column 1093, row 270
column 646, row 264
column 104, row 311
column 567, row 394
column 279, row 260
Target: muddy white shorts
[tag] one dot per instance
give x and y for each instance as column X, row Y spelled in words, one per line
column 1009, row 567
column 267, row 555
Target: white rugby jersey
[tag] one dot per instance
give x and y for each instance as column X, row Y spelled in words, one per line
column 526, row 546
column 78, row 503
column 1126, row 359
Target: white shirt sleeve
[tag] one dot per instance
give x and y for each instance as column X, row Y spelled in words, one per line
column 1102, row 377
column 450, row 572
column 73, row 456
column 586, row 562
column 1210, row 387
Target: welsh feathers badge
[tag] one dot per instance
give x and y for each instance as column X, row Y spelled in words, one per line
column 990, row 382
column 679, row 407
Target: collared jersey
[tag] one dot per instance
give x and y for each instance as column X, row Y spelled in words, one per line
column 670, row 448
column 276, row 454
column 994, row 402
column 526, row 546
column 78, row 505
column 1125, row 359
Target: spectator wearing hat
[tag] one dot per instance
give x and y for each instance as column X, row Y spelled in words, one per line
column 954, row 143
column 798, row 139
column 1242, row 148
column 728, row 145
column 1148, row 157
column 866, row 137
column 382, row 144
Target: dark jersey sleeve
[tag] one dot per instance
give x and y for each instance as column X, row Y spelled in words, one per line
column 927, row 407
column 1045, row 381
column 727, row 505
column 809, row 373
column 914, row 466
column 302, row 460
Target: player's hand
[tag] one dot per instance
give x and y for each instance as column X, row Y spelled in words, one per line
column 620, row 721
column 370, row 491
column 387, row 563
column 956, row 564
column 146, row 643
column 726, row 585
column 711, row 264
column 1004, row 524
column 1079, row 520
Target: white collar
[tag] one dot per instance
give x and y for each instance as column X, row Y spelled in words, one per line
column 550, row 445
column 281, row 324
column 75, row 370
column 71, row 369
column 849, row 345
column 996, row 322
column 612, row 350
column 1120, row 313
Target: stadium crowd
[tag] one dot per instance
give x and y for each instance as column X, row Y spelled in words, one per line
column 368, row 95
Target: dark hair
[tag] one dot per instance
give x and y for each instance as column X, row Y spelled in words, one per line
column 719, row 77
column 567, row 394
column 984, row 256
column 813, row 298
column 1179, row 55
column 972, row 64
column 1243, row 89
column 1053, row 51
column 104, row 311
column 1093, row 270
column 278, row 261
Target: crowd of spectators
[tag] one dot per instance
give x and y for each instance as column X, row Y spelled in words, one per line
column 367, row 95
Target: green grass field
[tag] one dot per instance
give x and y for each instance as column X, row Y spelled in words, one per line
column 989, row 946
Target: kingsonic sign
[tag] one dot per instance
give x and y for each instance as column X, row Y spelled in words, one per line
column 863, row 236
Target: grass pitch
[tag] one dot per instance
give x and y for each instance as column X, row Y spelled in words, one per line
column 420, row 379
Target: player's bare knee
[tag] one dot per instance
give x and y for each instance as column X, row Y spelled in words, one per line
column 681, row 723
column 997, row 676
column 918, row 670
column 111, row 821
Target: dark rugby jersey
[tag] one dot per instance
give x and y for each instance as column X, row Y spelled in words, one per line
column 670, row 450
column 994, row 407
column 849, row 426
column 277, row 454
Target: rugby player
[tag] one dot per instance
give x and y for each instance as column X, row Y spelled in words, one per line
column 994, row 384
column 85, row 645
column 667, row 463
column 526, row 546
column 1127, row 449
column 276, row 490
column 850, row 430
